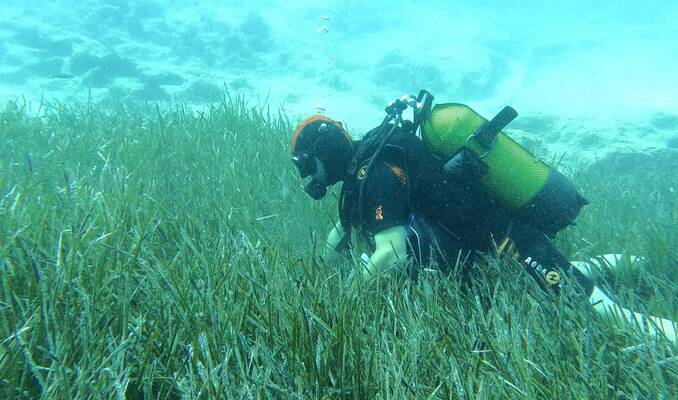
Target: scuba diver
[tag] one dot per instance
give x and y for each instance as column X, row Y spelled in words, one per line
column 444, row 188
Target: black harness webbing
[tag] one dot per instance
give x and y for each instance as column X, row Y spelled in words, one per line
column 394, row 112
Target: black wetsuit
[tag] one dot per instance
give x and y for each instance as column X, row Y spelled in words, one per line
column 446, row 216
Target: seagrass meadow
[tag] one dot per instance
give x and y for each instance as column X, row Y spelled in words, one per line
column 152, row 252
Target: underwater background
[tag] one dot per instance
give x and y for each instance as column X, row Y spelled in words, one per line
column 587, row 77
column 155, row 241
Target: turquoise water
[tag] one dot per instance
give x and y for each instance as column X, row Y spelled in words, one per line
column 589, row 68
column 588, row 78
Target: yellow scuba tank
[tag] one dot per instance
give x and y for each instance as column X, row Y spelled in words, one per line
column 518, row 180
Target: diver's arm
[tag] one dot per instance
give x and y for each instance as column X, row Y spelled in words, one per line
column 391, row 250
column 333, row 239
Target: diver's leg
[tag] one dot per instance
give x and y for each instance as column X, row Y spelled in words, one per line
column 547, row 266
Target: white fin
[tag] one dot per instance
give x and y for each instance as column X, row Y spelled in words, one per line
column 605, row 262
column 612, row 312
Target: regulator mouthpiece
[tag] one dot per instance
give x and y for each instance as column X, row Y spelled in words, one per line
column 315, row 189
